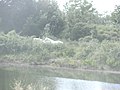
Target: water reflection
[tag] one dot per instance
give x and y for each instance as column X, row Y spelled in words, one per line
column 58, row 79
column 72, row 84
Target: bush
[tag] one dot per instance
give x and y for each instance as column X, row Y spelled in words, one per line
column 87, row 52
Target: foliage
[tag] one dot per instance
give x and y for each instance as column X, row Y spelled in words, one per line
column 83, row 20
column 86, row 53
column 79, row 11
column 90, row 39
column 105, row 32
column 14, row 13
column 30, row 17
column 79, row 30
column 18, row 85
column 19, row 47
column 116, row 15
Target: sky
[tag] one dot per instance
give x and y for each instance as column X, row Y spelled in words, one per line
column 101, row 5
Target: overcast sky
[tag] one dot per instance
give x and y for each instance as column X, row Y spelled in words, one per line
column 101, row 5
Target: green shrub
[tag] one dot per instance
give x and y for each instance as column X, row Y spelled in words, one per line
column 87, row 51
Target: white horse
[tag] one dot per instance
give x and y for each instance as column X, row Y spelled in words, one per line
column 48, row 40
column 37, row 39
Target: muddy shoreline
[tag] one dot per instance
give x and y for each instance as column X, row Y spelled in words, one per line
column 21, row 65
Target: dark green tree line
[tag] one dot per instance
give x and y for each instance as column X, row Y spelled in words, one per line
column 44, row 18
column 30, row 17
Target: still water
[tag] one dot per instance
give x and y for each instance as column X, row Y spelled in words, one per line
column 56, row 79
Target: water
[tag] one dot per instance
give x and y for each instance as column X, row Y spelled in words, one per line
column 56, row 79
column 72, row 84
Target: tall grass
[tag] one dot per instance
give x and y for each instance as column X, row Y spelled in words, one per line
column 18, row 85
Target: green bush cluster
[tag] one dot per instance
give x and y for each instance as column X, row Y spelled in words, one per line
column 19, row 47
column 86, row 53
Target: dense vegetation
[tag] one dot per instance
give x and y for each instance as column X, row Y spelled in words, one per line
column 85, row 53
column 91, row 40
column 44, row 18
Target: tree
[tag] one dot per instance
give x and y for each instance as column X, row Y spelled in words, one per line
column 14, row 13
column 116, row 15
column 47, row 13
column 80, row 11
column 29, row 17
column 79, row 14
column 80, row 30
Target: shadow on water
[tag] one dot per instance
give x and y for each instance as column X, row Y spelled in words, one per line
column 58, row 79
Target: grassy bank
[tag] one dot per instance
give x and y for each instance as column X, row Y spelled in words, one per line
column 85, row 53
column 18, row 85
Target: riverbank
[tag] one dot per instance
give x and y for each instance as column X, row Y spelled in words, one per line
column 90, row 54
column 44, row 74
column 27, row 65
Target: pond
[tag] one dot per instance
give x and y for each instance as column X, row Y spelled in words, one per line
column 57, row 79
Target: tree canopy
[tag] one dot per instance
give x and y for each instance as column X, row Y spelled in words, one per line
column 44, row 18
